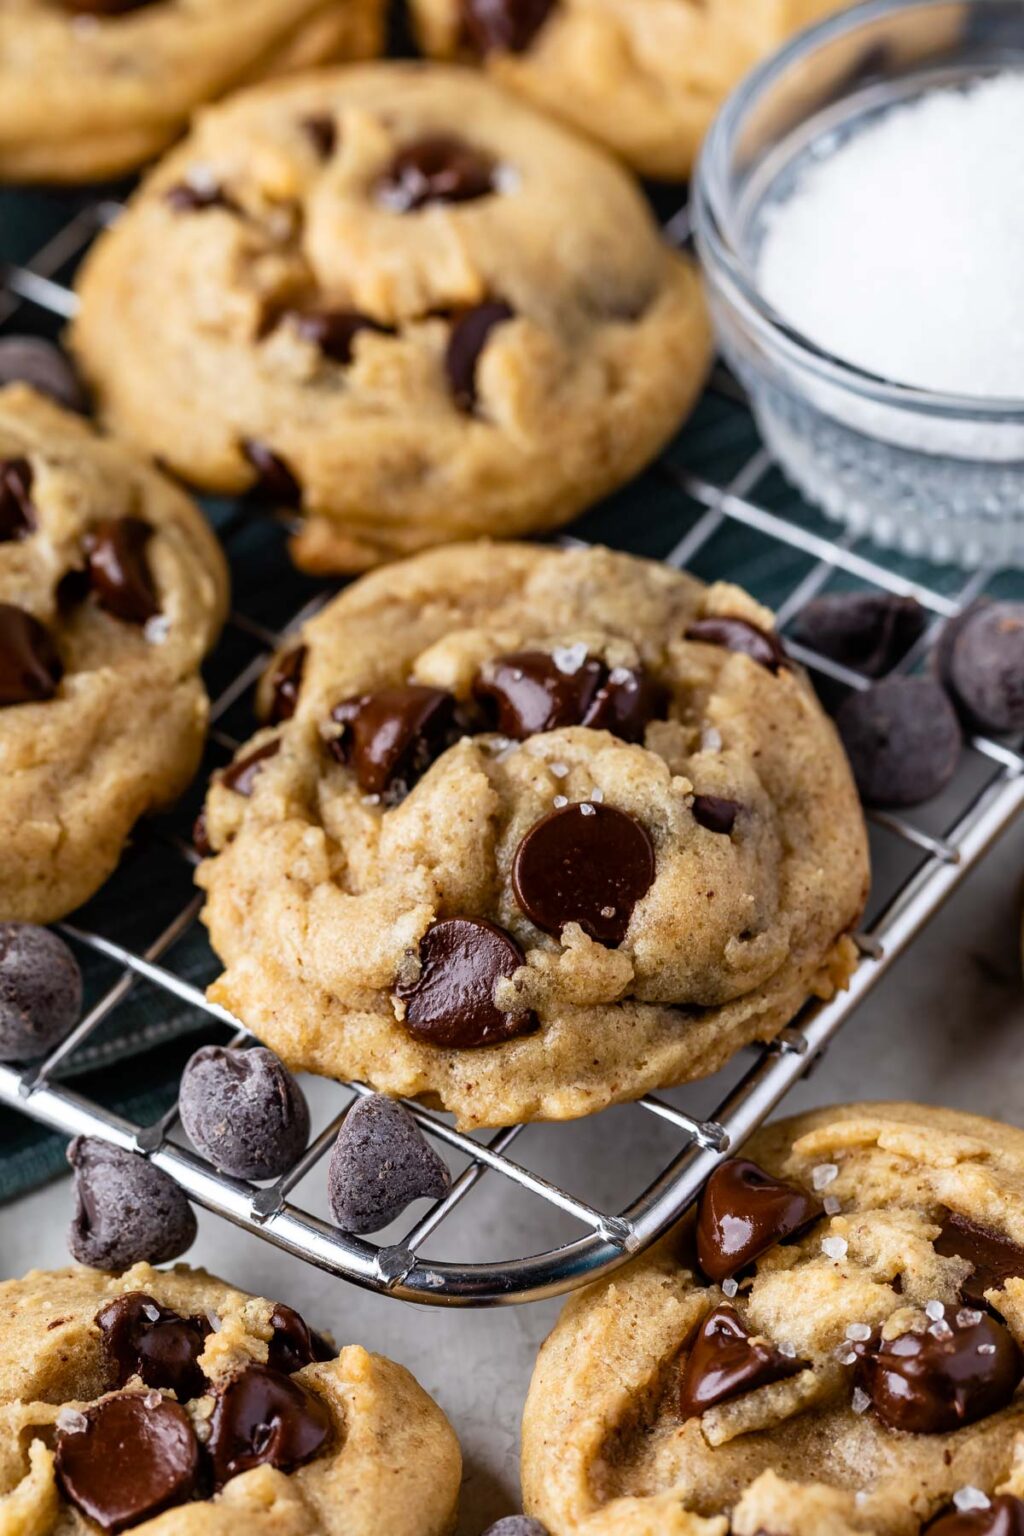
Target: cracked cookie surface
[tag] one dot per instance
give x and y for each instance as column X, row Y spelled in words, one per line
column 398, row 302
column 852, row 1370
column 530, row 832
column 112, row 590
column 169, row 1404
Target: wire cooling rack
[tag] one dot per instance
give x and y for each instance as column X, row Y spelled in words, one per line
column 930, row 854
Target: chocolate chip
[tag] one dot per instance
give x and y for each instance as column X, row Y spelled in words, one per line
column 275, row 482
column 119, row 570
column 743, row 1212
column 241, row 775
column 436, row 169
column 724, row 1362
column 993, row 1257
column 30, row 666
column 126, row 1210
column 715, row 814
column 627, row 700
column 17, row 514
column 509, row 26
column 516, row 1525
column 986, row 666
column 381, row 1162
column 285, row 683
column 586, row 864
column 142, row 1338
column 132, row 1459
column 529, row 693
column 322, row 132
column 390, row 738
column 333, row 331
column 293, row 1344
column 42, row 365
column 451, row 1003
column 263, row 1418
column 187, row 197
column 866, row 631
column 902, row 738
column 40, row 991
column 201, row 836
column 935, row 1382
column 244, row 1111
column 469, row 335
column 739, row 635
column 1003, row 1516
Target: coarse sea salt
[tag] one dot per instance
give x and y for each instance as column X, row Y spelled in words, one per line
column 900, row 250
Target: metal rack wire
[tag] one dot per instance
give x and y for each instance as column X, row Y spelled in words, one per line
column 608, row 1238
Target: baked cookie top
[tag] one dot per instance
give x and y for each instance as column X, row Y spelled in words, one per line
column 532, row 831
column 398, row 301
column 833, row 1347
column 169, row 1404
column 112, row 589
column 643, row 77
column 92, row 88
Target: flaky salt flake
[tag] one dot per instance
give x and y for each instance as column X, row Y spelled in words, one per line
column 940, row 1329
column 986, row 1349
column 607, row 911
column 560, row 770
column 710, row 739
column 730, row 1288
column 935, row 1310
column 822, row 1175
column 203, row 1429
column 789, row 1350
column 559, row 801
column 150, row 1312
column 597, row 795
column 70, row 1422
column 850, row 1359
column 152, row 1400
column 861, row 1497
column 971, row 1498
column 859, row 1332
column 569, row 658
column 968, row 1317
column 213, row 1318
column 586, row 809
column 371, row 799
column 622, row 677
column 860, row 1402
column 157, row 628
column 831, row 1205
column 834, row 1247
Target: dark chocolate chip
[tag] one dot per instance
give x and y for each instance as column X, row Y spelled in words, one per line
column 133, row 1458
column 436, row 169
column 986, row 666
column 743, row 1212
column 333, row 331
column 187, row 197
column 451, row 1003
column 715, row 814
column 261, row 1417
column 322, row 131
column 724, row 1362
column 587, row 864
column 516, row 1525
column 993, row 1257
column 17, row 514
column 119, row 570
column 244, row 1111
column 508, row 26
column 761, row 645
column 126, row 1210
column 381, row 1162
column 40, row 991
column 241, row 775
column 469, row 335
column 1004, row 1516
column 285, row 683
column 42, row 365
column 390, row 738
column 866, row 631
column 627, row 700
column 142, row 1338
column 529, row 692
column 30, row 666
column 935, row 1382
column 275, row 483
column 902, row 738
column 293, row 1344
column 201, row 836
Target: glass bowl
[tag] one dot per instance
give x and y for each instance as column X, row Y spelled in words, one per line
column 933, row 474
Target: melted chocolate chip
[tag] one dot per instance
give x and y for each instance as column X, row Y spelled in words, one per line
column 275, row 482
column 185, row 197
column 509, row 26
column 528, row 692
column 131, row 1461
column 322, row 132
column 17, row 514
column 333, row 331
column 724, row 1362
column 469, row 335
column 715, row 814
column 293, row 1343
column 586, row 864
column 995, row 1258
column 261, row 1417
column 761, row 645
column 626, row 701
column 141, row 1338
column 436, row 169
column 1003, row 1517
column 391, row 737
column 104, row 7
column 285, row 683
column 932, row 1383
column 119, row 571
column 743, row 1212
column 201, row 836
column 30, row 667
column 241, row 774
column 451, row 1003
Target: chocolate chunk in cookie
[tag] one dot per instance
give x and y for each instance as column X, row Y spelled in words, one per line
column 725, row 1360
column 275, row 482
column 119, row 571
column 743, row 1212
column 451, row 1002
column 867, row 631
column 40, row 991
column 293, row 1343
column 469, row 336
column 17, row 514
column 528, row 692
column 244, row 1111
column 439, row 168
column 962, row 1369
column 994, row 1258
column 130, row 1458
column 30, row 664
column 381, row 1162
column 142, row 1338
column 241, row 775
column 507, row 26
column 322, row 131
column 902, row 738
column 196, row 197
column 587, row 864
column 739, row 635
column 285, row 683
column 390, row 738
column 333, row 331
column 1000, row 1516
column 263, row 1418
column 715, row 813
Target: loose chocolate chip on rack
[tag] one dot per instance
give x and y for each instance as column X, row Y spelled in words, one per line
column 761, row 645
column 866, row 631
column 142, row 1338
column 242, row 774
column 40, row 991
column 381, row 1162
column 244, row 1111
column 902, row 738
column 285, row 683
column 516, row 1525
column 119, row 570
column 743, row 1212
column 126, row 1210
column 935, row 1382
column 195, row 197
column 389, row 738
column 322, row 132
column 275, row 483
column 586, row 864
column 17, row 514
column 469, row 335
column 293, row 1344
column 725, row 1361
column 993, row 1257
column 451, row 1002
column 132, row 1458
column 263, row 1418
column 715, row 814
column 436, row 169
column 30, row 666
column 985, row 668
column 1002, row 1515
column 42, row 365
column 509, row 26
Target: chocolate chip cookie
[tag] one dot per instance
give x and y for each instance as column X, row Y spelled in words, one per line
column 169, row 1402
column 93, row 88
column 831, row 1346
column 529, row 831
column 398, row 303
column 643, row 77
column 112, row 589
